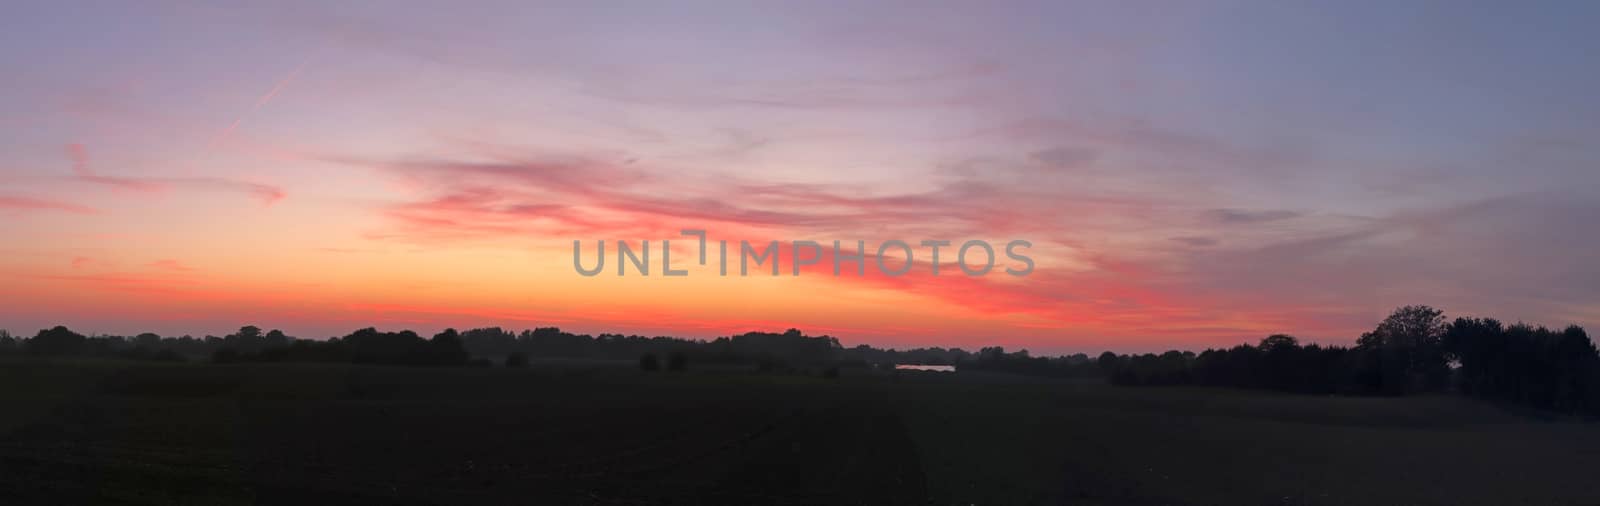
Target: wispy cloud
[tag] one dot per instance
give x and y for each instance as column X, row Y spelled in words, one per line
column 493, row 192
column 1246, row 216
column 21, row 203
column 80, row 167
column 79, row 155
column 1197, row 241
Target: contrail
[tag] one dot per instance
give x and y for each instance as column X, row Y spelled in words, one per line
column 260, row 102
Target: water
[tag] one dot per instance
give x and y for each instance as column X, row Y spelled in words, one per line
column 939, row 368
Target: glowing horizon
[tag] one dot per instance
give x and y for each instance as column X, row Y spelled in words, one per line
column 1220, row 173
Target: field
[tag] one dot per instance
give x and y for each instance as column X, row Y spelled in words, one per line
column 109, row 432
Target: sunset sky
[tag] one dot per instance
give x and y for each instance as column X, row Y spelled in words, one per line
column 1190, row 174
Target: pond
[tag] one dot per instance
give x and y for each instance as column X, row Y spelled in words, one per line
column 915, row 367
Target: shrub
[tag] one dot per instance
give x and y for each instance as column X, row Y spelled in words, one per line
column 649, row 362
column 677, row 362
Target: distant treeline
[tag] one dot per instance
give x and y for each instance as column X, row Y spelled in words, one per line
column 1414, row 350
column 791, row 349
column 250, row 344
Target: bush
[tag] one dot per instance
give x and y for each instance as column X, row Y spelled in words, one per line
column 517, row 360
column 677, row 362
column 649, row 362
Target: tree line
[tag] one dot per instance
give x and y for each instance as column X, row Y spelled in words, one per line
column 249, row 344
column 768, row 351
column 787, row 350
column 1415, row 349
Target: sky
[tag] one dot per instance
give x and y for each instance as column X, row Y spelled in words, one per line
column 1189, row 174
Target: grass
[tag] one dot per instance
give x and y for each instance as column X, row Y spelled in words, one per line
column 598, row 433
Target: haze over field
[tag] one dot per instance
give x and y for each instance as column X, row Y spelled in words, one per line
column 1190, row 174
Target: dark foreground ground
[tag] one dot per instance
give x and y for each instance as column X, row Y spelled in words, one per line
column 125, row 433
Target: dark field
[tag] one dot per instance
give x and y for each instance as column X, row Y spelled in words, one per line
column 124, row 433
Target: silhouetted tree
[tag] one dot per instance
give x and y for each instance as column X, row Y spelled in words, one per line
column 1107, row 361
column 446, row 348
column 148, row 340
column 1525, row 364
column 275, row 339
column 57, row 341
column 249, row 332
column 1410, row 354
column 996, row 359
column 489, row 341
column 1282, row 363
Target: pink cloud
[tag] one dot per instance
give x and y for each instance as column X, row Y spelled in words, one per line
column 512, row 195
column 81, row 169
column 1144, row 264
column 34, row 204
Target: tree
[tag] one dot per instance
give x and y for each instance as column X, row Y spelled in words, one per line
column 1573, row 371
column 147, row 339
column 249, row 332
column 1480, row 347
column 276, row 339
column 1107, row 361
column 447, row 348
column 1279, row 343
column 57, row 341
column 1409, row 346
column 1280, row 367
